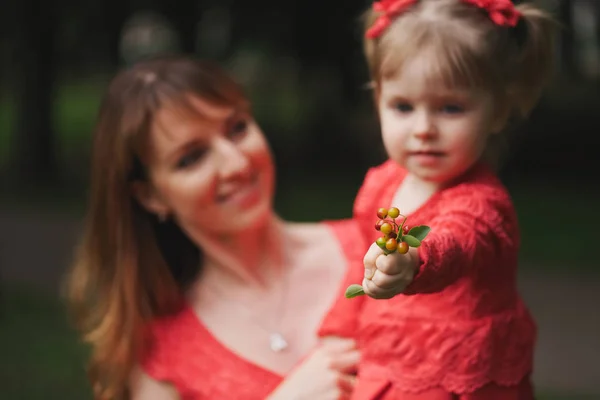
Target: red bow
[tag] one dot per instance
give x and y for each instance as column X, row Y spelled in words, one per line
column 502, row 13
column 389, row 10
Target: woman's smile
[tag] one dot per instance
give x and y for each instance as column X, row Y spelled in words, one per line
column 242, row 195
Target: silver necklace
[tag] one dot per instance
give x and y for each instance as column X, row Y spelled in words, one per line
column 277, row 341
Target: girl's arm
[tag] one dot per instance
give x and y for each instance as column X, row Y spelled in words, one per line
column 475, row 231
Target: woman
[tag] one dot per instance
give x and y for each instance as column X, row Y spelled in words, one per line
column 186, row 284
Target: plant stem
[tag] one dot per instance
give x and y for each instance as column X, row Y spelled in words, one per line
column 399, row 236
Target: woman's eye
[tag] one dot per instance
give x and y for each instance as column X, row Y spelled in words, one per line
column 190, row 158
column 403, row 107
column 239, row 128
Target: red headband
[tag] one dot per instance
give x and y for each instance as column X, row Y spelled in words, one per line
column 502, row 13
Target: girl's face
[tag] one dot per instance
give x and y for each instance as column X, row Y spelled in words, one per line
column 435, row 132
column 211, row 172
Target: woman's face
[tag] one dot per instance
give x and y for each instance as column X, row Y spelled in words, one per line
column 211, row 171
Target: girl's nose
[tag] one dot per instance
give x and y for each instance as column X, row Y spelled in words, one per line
column 425, row 127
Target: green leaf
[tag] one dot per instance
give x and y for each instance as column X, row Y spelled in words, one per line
column 419, row 232
column 354, row 291
column 411, row 240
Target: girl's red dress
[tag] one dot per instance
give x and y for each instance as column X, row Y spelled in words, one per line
column 460, row 330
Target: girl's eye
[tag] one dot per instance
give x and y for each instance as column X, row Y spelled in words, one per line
column 403, row 107
column 238, row 129
column 453, row 109
column 190, row 158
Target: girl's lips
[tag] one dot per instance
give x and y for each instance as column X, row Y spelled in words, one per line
column 427, row 158
column 427, row 153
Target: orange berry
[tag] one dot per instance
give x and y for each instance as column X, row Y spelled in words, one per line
column 391, row 244
column 402, row 247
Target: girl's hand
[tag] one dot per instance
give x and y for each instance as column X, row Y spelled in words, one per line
column 387, row 275
column 327, row 374
column 392, row 261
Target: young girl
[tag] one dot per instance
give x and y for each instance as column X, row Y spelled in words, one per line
column 449, row 76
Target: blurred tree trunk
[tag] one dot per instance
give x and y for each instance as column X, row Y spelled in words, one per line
column 331, row 34
column 33, row 155
column 596, row 5
column 184, row 15
column 567, row 39
column 115, row 13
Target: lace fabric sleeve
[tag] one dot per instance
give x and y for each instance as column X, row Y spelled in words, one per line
column 474, row 228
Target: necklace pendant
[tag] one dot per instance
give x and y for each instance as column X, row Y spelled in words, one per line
column 277, row 342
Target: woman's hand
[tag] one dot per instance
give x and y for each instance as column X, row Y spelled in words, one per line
column 327, row 374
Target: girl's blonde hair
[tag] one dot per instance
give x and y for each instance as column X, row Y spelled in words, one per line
column 466, row 48
column 130, row 267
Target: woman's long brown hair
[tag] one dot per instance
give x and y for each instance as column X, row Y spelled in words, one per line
column 129, row 268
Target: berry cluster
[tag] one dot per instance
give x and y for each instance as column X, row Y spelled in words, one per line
column 396, row 237
column 392, row 231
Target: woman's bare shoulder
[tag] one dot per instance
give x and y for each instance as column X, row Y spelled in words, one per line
column 316, row 245
column 144, row 387
column 309, row 233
